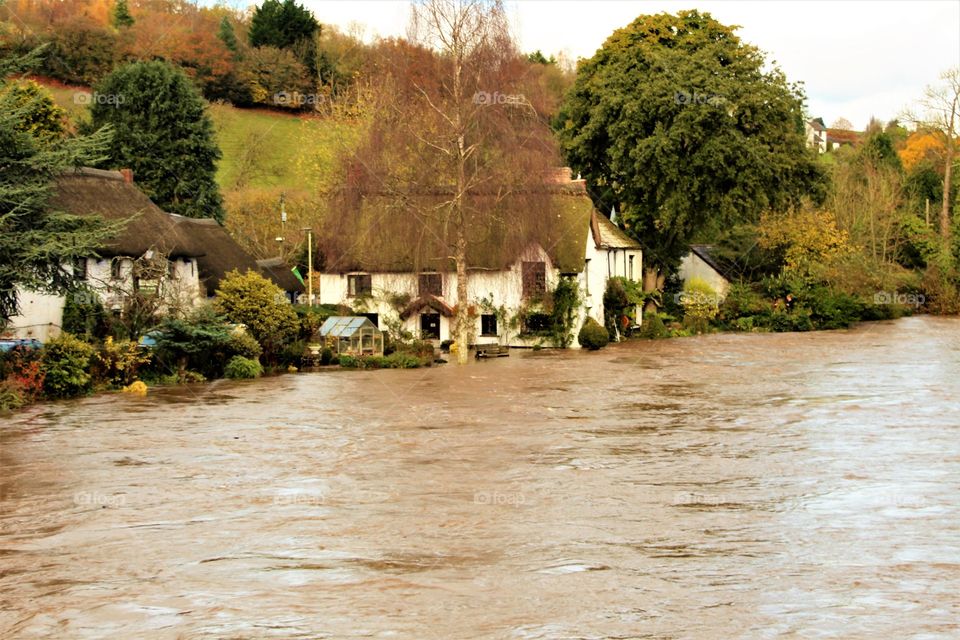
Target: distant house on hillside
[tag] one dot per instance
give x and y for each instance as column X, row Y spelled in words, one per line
column 837, row 138
column 156, row 253
column 816, row 133
column 700, row 263
column 509, row 276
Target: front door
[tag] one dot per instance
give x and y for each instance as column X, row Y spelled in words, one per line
column 430, row 326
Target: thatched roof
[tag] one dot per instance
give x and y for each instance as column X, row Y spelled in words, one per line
column 87, row 192
column 218, row 253
column 374, row 232
column 108, row 194
column 279, row 271
column 843, row 136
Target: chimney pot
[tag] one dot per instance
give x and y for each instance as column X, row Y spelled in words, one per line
column 127, row 175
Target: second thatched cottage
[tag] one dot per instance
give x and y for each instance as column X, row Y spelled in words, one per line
column 176, row 261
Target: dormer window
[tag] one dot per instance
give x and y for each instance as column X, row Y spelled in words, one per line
column 360, row 284
column 534, row 279
column 431, row 284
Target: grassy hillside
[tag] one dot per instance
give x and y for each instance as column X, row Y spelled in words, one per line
column 275, row 150
column 261, row 149
column 265, row 154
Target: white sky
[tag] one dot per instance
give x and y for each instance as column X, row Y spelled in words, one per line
column 856, row 59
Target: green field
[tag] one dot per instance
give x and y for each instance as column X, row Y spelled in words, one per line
column 265, row 149
column 261, row 148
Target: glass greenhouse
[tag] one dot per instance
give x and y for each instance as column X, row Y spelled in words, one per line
column 352, row 336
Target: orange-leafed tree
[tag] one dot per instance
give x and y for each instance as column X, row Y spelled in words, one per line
column 922, row 145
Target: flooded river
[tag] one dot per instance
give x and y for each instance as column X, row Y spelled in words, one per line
column 729, row 486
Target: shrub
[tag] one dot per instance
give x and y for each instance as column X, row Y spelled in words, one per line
column 118, row 363
column 66, row 362
column 614, row 302
column 326, row 356
column 419, row 348
column 653, row 327
column 11, row 395
column 940, row 290
column 240, row 368
column 593, row 335
column 260, row 305
column 566, row 301
column 243, row 344
column 200, row 342
column 402, row 360
column 293, row 352
column 831, row 309
column 84, row 315
column 398, row 360
column 700, row 305
column 745, row 309
column 797, row 320
column 309, row 320
column 24, row 368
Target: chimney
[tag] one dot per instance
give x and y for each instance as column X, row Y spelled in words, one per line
column 127, row 175
column 558, row 175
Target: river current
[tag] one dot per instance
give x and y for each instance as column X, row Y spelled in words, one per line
column 725, row 486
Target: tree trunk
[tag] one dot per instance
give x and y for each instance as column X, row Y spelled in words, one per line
column 945, row 210
column 948, row 168
column 651, row 282
column 463, row 308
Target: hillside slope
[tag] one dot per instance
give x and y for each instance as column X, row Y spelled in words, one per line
column 261, row 148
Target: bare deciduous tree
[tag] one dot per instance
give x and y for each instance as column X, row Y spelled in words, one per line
column 842, row 123
column 940, row 114
column 454, row 137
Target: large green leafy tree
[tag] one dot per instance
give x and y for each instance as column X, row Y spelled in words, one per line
column 285, row 25
column 163, row 134
column 37, row 244
column 676, row 122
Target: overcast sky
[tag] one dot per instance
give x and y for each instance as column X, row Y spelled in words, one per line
column 856, row 59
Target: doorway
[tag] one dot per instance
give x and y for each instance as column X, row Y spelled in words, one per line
column 430, row 326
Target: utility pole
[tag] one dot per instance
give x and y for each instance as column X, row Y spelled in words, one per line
column 283, row 225
column 309, row 231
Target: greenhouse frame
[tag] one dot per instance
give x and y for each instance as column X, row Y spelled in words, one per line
column 352, row 336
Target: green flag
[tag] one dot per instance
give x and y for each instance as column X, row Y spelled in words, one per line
column 296, row 272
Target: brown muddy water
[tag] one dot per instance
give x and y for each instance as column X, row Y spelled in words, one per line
column 729, row 486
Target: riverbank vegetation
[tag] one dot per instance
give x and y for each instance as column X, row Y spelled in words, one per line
column 248, row 331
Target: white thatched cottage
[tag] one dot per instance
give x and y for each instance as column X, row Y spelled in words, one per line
column 405, row 278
